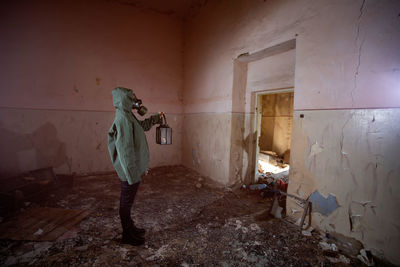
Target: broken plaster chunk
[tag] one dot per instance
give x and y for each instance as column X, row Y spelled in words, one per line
column 255, row 227
column 306, row 233
column 366, row 257
column 38, row 232
column 238, row 224
column 329, row 247
column 341, row 259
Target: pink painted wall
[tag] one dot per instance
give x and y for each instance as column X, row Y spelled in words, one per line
column 71, row 54
column 335, row 40
column 346, row 74
column 60, row 61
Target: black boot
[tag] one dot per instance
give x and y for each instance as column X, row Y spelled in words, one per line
column 137, row 230
column 128, row 234
column 134, row 240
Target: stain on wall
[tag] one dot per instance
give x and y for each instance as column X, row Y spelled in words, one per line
column 39, row 149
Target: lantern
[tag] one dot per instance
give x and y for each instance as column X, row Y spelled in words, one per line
column 163, row 133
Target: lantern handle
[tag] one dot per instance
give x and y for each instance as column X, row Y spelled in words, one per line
column 164, row 120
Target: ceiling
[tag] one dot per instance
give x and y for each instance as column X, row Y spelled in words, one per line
column 179, row 8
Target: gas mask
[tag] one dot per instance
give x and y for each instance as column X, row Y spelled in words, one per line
column 137, row 104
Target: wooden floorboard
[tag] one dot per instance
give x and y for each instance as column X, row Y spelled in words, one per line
column 52, row 221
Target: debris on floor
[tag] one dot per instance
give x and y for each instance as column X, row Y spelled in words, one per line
column 272, row 169
column 186, row 226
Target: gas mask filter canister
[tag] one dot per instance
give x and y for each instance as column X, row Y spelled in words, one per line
column 137, row 104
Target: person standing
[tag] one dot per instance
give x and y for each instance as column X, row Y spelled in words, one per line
column 129, row 154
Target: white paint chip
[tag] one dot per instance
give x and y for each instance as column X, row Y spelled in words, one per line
column 38, row 232
column 315, row 149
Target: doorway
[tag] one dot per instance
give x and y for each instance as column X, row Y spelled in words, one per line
column 274, row 133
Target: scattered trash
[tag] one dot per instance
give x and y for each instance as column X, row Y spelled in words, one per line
column 276, row 210
column 38, row 232
column 199, row 185
column 307, row 232
column 255, row 227
column 271, row 167
column 348, row 245
column 258, row 186
column 326, row 246
column 340, row 259
column 366, row 257
column 186, row 228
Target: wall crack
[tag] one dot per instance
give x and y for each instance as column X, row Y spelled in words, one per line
column 359, row 48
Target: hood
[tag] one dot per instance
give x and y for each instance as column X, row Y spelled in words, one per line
column 123, row 98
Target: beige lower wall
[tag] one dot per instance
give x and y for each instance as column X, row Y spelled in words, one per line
column 70, row 141
column 353, row 155
column 206, row 144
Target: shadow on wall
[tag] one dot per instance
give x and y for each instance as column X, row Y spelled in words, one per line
column 23, row 152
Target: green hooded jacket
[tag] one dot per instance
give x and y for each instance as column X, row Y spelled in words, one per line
column 127, row 142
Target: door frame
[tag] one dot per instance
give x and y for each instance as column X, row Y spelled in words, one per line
column 257, row 122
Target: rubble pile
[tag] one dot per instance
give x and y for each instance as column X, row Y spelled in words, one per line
column 186, row 225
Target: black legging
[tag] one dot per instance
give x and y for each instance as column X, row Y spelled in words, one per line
column 128, row 193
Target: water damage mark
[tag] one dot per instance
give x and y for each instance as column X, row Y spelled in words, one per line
column 323, row 205
column 98, row 147
column 75, row 88
column 38, row 149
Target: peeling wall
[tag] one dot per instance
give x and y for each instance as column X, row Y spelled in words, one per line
column 346, row 62
column 60, row 61
column 352, row 155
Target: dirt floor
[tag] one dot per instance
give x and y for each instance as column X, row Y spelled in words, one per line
column 187, row 225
